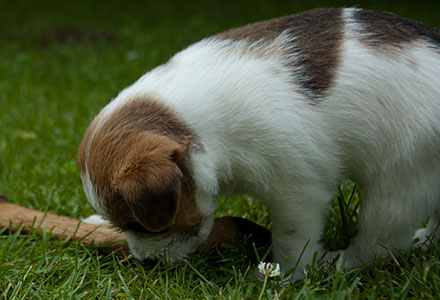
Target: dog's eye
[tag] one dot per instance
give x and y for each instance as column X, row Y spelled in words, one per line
column 137, row 227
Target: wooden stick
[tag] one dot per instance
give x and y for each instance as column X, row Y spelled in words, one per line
column 104, row 237
column 226, row 230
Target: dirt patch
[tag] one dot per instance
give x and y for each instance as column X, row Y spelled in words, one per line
column 70, row 35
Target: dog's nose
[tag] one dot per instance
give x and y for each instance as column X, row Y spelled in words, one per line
column 149, row 262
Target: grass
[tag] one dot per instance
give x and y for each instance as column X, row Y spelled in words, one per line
column 60, row 63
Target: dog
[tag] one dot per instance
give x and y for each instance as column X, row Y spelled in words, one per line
column 282, row 110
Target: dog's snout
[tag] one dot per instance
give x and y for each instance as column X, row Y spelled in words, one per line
column 149, row 261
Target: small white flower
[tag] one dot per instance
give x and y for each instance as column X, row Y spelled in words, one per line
column 269, row 269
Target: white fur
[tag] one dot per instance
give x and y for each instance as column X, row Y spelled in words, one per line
column 379, row 125
column 90, row 192
column 95, row 220
column 171, row 249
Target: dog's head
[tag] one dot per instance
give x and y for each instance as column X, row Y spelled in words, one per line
column 135, row 161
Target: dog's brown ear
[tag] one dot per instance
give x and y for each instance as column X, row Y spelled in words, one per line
column 149, row 181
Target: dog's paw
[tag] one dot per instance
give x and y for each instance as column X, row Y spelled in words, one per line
column 95, row 220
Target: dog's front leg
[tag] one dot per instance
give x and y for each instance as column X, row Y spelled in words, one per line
column 296, row 233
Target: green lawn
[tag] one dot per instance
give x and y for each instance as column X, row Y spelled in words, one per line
column 59, row 64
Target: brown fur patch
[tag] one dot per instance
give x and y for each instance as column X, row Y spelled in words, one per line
column 149, row 181
column 316, row 38
column 139, row 165
column 383, row 29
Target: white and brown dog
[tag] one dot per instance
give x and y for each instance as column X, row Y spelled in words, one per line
column 282, row 110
